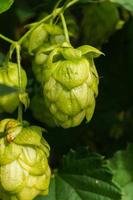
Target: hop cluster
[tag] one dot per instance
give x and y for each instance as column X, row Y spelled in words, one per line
column 68, row 78
column 24, row 169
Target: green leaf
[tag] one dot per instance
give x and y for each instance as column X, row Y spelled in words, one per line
column 5, row 5
column 128, row 4
column 5, row 89
column 122, row 166
column 83, row 177
column 90, row 50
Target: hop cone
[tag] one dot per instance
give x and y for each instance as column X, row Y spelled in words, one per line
column 9, row 77
column 50, row 34
column 24, row 169
column 70, row 84
column 43, row 34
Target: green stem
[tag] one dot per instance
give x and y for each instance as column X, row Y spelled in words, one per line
column 65, row 28
column 9, row 54
column 7, row 39
column 12, row 47
column 19, row 66
column 57, row 4
column 71, row 3
column 20, row 113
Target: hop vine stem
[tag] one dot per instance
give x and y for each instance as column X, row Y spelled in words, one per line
column 57, row 4
column 19, row 66
column 20, row 112
column 65, row 28
column 71, row 3
column 7, row 39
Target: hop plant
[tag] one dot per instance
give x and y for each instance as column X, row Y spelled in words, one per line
column 70, row 84
column 24, row 169
column 9, row 77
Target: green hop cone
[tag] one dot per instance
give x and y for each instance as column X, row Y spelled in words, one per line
column 45, row 33
column 71, row 25
column 35, row 39
column 9, row 77
column 24, row 169
column 49, row 35
column 70, row 84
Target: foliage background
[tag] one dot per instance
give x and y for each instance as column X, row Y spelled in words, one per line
column 111, row 127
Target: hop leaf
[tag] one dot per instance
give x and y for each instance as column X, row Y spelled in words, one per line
column 83, row 177
column 121, row 164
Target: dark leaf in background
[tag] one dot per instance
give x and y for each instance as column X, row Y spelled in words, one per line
column 2, row 56
column 128, row 4
column 104, row 17
column 83, row 177
column 5, row 5
column 122, row 166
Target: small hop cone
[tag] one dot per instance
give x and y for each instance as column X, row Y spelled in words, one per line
column 9, row 77
column 43, row 34
column 24, row 169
